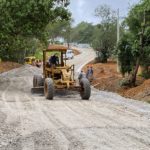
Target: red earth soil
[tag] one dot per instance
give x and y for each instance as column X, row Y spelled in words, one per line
column 76, row 52
column 6, row 66
column 107, row 78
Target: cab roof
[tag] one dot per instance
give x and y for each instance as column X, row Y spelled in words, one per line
column 57, row 48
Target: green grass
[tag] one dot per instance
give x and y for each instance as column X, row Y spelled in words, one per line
column 39, row 55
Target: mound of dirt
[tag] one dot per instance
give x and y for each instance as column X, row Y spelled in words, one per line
column 141, row 92
column 107, row 78
column 76, row 52
column 23, row 70
column 6, row 66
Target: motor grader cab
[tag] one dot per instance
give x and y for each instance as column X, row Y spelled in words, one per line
column 59, row 76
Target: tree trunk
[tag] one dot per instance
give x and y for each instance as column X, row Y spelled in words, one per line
column 133, row 77
column 134, row 74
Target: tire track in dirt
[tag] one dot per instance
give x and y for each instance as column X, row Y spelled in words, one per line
column 93, row 115
column 23, row 114
column 120, row 124
column 51, row 124
column 74, row 142
column 62, row 129
column 67, row 138
column 33, row 121
column 136, row 137
column 38, row 121
column 71, row 117
column 4, row 95
column 29, row 143
column 125, row 115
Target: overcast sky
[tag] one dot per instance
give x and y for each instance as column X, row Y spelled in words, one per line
column 83, row 10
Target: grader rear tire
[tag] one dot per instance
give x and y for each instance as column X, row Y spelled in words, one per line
column 38, row 81
column 85, row 89
column 49, row 88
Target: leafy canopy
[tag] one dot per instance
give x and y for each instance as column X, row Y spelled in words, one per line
column 82, row 33
column 21, row 20
column 138, row 23
column 105, row 34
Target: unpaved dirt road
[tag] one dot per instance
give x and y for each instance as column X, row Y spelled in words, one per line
column 106, row 122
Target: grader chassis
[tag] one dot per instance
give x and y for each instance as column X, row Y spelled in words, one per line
column 59, row 77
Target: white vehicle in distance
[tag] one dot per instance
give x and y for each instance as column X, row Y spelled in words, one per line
column 69, row 54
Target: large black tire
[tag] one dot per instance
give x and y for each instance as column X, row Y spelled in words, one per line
column 85, row 89
column 38, row 81
column 49, row 88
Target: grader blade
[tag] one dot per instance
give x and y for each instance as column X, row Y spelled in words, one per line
column 39, row 90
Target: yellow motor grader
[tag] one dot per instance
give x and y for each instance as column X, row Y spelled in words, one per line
column 59, row 76
column 29, row 60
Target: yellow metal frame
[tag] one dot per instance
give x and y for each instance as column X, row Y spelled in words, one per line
column 29, row 60
column 66, row 72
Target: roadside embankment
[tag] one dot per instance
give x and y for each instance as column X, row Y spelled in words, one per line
column 106, row 78
column 6, row 66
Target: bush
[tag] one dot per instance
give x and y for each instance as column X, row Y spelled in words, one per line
column 101, row 56
column 146, row 75
column 125, row 82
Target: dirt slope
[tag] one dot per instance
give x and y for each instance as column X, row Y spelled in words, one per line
column 141, row 92
column 30, row 122
column 6, row 66
column 107, row 78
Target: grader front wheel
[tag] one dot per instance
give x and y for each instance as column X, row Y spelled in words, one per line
column 49, row 88
column 85, row 89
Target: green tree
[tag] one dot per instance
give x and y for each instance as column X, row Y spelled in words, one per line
column 67, row 31
column 125, row 55
column 59, row 29
column 23, row 20
column 82, row 33
column 105, row 34
column 139, row 28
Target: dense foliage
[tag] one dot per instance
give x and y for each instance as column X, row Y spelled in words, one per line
column 105, row 34
column 136, row 47
column 104, row 41
column 22, row 21
column 82, row 33
column 58, row 29
column 101, row 37
column 125, row 56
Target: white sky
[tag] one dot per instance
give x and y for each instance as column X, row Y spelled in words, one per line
column 83, row 10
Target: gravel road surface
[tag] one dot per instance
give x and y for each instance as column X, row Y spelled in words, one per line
column 106, row 122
